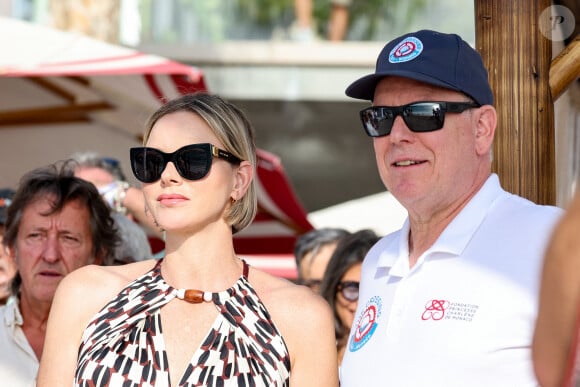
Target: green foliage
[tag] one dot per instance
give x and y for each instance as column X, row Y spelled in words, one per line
column 218, row 20
column 264, row 12
column 371, row 15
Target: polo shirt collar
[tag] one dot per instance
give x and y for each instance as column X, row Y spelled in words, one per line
column 452, row 240
column 12, row 315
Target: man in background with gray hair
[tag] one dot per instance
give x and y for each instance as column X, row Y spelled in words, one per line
column 55, row 224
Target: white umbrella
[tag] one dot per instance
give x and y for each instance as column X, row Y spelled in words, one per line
column 380, row 212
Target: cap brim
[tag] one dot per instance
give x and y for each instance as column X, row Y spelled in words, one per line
column 364, row 88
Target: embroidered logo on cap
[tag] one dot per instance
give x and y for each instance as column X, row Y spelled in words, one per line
column 407, row 50
column 366, row 324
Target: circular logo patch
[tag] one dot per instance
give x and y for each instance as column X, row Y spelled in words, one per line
column 407, row 50
column 366, row 324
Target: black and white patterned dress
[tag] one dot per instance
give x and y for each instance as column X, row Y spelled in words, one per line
column 123, row 344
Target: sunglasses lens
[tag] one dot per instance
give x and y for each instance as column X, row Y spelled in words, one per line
column 419, row 117
column 424, row 117
column 193, row 162
column 377, row 122
column 147, row 164
column 349, row 290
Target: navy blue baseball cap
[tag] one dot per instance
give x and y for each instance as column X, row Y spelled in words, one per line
column 432, row 57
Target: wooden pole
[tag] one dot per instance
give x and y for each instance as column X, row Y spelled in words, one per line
column 518, row 57
column 565, row 68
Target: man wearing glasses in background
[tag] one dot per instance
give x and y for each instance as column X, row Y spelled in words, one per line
column 451, row 298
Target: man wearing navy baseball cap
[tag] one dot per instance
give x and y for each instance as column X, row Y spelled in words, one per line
column 450, row 299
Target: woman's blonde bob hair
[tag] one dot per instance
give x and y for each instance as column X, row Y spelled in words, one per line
column 232, row 128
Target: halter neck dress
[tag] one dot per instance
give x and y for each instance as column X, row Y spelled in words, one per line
column 123, row 344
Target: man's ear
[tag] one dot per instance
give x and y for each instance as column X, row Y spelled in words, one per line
column 485, row 123
column 243, row 178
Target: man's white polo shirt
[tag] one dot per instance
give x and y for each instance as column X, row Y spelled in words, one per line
column 464, row 315
column 18, row 362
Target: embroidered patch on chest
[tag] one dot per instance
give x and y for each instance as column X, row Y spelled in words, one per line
column 366, row 324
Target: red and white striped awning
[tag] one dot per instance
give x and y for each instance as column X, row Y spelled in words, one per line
column 269, row 241
column 62, row 92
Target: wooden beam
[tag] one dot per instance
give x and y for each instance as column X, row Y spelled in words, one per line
column 67, row 113
column 52, row 87
column 518, row 57
column 565, row 68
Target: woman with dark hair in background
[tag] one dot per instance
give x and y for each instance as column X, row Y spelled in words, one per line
column 341, row 282
column 312, row 252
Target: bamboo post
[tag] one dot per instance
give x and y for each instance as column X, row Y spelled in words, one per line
column 565, row 68
column 518, row 57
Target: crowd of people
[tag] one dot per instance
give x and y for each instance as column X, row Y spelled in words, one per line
column 479, row 286
column 328, row 261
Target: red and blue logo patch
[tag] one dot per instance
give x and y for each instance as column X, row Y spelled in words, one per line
column 408, row 49
column 366, row 324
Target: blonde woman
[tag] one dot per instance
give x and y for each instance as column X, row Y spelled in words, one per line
column 201, row 315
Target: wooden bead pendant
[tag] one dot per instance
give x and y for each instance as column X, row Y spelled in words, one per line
column 194, row 296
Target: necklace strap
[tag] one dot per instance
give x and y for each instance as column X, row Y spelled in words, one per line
column 196, row 296
column 246, row 269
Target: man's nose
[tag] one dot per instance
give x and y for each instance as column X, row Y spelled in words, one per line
column 51, row 252
column 400, row 131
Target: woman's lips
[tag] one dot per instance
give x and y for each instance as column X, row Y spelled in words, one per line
column 171, row 199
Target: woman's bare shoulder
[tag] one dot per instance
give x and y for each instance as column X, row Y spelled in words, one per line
column 288, row 302
column 305, row 321
column 91, row 287
column 109, row 276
